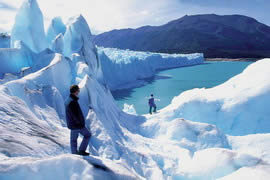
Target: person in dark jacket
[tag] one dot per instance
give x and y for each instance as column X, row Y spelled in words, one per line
column 76, row 122
column 151, row 103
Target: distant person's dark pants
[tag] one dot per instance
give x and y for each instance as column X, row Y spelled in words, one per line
column 74, row 134
column 152, row 106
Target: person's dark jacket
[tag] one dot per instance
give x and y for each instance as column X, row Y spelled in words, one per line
column 74, row 115
column 151, row 102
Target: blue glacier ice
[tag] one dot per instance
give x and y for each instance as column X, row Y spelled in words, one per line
column 4, row 40
column 78, row 39
column 192, row 138
column 55, row 28
column 12, row 60
column 29, row 27
column 122, row 68
column 58, row 44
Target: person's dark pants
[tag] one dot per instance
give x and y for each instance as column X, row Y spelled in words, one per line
column 152, row 106
column 74, row 136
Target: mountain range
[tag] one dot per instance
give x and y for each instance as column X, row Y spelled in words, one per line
column 226, row 36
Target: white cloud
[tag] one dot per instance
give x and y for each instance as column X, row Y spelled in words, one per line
column 105, row 15
column 102, row 15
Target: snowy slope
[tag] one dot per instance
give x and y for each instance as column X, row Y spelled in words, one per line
column 125, row 68
column 242, row 101
column 240, row 106
column 156, row 149
column 62, row 167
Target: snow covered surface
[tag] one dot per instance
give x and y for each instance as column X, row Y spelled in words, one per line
column 237, row 107
column 196, row 137
column 125, row 68
column 62, row 167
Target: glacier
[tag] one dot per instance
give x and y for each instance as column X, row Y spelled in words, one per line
column 78, row 40
column 12, row 60
column 129, row 68
column 58, row 44
column 55, row 28
column 29, row 27
column 216, row 133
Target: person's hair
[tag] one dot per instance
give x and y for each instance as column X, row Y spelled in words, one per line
column 152, row 95
column 74, row 88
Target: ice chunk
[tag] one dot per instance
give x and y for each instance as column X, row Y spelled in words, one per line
column 42, row 59
column 58, row 44
column 78, row 39
column 29, row 27
column 191, row 135
column 129, row 109
column 12, row 60
column 32, row 87
column 55, row 28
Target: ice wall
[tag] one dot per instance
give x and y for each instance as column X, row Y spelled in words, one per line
column 78, row 39
column 21, row 61
column 29, row 27
column 123, row 67
column 55, row 28
column 12, row 60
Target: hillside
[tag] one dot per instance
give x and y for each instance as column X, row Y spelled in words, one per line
column 230, row 36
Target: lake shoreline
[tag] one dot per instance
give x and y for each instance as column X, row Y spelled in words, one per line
column 170, row 83
column 233, row 59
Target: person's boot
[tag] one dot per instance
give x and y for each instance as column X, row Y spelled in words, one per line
column 83, row 153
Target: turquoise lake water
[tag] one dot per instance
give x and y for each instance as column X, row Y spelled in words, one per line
column 169, row 83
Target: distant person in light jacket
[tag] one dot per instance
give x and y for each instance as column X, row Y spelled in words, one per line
column 76, row 122
column 151, row 103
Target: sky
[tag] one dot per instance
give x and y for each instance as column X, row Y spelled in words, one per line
column 106, row 15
